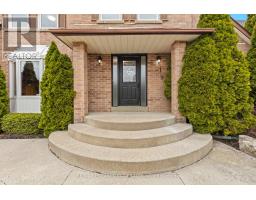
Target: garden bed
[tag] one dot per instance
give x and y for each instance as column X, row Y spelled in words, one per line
column 235, row 143
column 19, row 136
column 232, row 143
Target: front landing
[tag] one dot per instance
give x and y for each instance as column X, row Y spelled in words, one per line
column 130, row 143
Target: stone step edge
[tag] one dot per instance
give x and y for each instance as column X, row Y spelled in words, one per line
column 132, row 139
column 129, row 126
column 124, row 168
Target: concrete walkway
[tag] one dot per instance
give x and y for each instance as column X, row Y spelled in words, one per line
column 30, row 162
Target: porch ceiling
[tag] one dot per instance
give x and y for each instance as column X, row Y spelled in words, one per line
column 115, row 41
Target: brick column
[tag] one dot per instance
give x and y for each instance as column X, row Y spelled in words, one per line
column 177, row 53
column 80, row 64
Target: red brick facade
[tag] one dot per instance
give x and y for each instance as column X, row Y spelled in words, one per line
column 100, row 84
column 157, row 102
column 93, row 81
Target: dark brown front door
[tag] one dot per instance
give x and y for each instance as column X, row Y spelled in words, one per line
column 129, row 80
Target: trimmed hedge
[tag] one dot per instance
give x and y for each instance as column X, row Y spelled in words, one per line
column 251, row 57
column 250, row 22
column 215, row 83
column 57, row 92
column 4, row 101
column 21, row 123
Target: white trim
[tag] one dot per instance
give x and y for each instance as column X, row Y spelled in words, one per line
column 142, row 19
column 10, row 24
column 11, row 79
column 119, row 19
column 39, row 21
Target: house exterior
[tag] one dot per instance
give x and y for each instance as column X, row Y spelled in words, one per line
column 119, row 61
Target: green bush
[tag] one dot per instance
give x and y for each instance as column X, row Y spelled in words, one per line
column 215, row 83
column 168, row 81
column 21, row 123
column 250, row 22
column 4, row 101
column 251, row 57
column 56, row 92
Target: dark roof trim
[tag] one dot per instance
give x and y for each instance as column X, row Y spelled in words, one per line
column 135, row 31
column 241, row 28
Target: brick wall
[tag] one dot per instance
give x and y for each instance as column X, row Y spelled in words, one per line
column 100, row 84
column 99, row 79
column 243, row 46
column 157, row 102
column 170, row 21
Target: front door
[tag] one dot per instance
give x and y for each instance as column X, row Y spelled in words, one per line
column 129, row 80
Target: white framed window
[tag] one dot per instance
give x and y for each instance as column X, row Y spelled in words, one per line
column 148, row 17
column 25, row 74
column 30, row 75
column 111, row 17
column 15, row 19
column 47, row 21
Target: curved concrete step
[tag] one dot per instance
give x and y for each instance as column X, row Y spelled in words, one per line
column 129, row 121
column 130, row 161
column 129, row 139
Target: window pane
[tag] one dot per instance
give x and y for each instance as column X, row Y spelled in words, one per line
column 21, row 19
column 129, row 71
column 49, row 21
column 30, row 78
column 148, row 16
column 111, row 17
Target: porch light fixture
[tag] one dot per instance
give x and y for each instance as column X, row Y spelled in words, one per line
column 158, row 60
column 99, row 59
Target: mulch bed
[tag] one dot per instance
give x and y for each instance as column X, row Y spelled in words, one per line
column 235, row 143
column 19, row 136
column 232, row 143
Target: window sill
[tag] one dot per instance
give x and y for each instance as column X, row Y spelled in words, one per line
column 26, row 97
column 148, row 21
column 110, row 21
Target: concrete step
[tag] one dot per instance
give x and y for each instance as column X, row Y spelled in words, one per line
column 129, row 139
column 129, row 109
column 130, row 161
column 129, row 121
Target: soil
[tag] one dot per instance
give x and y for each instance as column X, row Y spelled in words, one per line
column 19, row 136
column 235, row 143
column 252, row 133
column 232, row 143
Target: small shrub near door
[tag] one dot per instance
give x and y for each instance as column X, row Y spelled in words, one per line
column 168, row 82
column 21, row 123
column 56, row 92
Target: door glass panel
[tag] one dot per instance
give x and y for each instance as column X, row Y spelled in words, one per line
column 129, row 71
column 30, row 78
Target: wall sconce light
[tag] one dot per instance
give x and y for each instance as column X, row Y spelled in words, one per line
column 99, row 59
column 158, row 60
